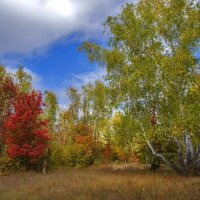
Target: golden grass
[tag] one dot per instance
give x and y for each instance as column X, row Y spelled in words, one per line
column 114, row 182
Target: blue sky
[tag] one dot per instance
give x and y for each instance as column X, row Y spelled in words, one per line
column 44, row 36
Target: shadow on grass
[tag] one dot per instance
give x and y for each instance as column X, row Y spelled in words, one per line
column 135, row 170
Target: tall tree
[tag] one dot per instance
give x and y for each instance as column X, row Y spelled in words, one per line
column 51, row 107
column 26, row 133
column 96, row 106
column 153, row 73
column 87, row 93
column 75, row 102
column 23, row 80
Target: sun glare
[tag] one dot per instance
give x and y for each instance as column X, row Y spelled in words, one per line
column 61, row 7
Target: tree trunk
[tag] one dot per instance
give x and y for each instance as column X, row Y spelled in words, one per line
column 189, row 151
column 44, row 171
column 197, row 162
column 165, row 160
column 183, row 168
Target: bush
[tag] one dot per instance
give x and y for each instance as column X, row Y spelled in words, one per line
column 57, row 154
column 82, row 153
column 9, row 165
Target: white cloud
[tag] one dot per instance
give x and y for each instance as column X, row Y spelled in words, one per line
column 27, row 25
column 80, row 79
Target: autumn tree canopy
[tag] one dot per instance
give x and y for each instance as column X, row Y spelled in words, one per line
column 145, row 109
column 26, row 134
column 152, row 66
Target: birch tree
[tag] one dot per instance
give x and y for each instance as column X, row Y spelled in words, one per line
column 153, row 70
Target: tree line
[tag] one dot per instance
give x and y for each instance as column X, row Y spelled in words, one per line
column 147, row 108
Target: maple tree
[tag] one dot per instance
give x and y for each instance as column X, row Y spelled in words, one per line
column 26, row 133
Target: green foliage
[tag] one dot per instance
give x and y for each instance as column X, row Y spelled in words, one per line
column 149, row 102
column 57, row 156
column 50, row 109
column 75, row 103
column 153, row 76
column 74, row 155
column 96, row 106
column 77, row 156
column 23, row 80
column 80, row 152
column 9, row 165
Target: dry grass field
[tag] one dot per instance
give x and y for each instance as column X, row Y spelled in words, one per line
column 114, row 182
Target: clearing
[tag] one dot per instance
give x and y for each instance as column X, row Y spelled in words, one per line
column 113, row 182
